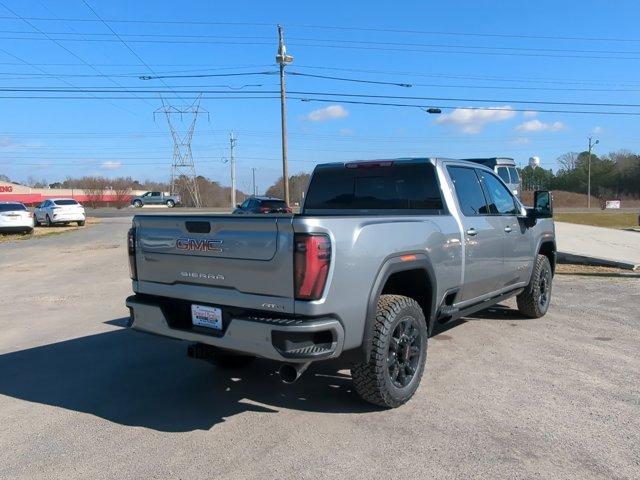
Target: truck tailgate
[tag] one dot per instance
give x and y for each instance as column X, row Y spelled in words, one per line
column 224, row 255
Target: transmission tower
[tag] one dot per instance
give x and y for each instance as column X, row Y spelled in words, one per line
column 182, row 165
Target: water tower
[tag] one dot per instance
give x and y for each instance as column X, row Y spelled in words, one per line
column 534, row 162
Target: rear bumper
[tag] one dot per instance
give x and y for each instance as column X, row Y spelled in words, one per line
column 282, row 339
column 68, row 217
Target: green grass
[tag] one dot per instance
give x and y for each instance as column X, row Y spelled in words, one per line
column 600, row 219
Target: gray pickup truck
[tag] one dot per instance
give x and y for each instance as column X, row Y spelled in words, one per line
column 156, row 198
column 380, row 252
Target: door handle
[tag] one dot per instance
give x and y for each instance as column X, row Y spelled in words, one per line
column 507, row 229
column 472, row 232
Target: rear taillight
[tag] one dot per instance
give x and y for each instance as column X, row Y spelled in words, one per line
column 131, row 250
column 312, row 258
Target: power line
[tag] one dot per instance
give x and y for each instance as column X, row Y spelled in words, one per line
column 315, row 93
column 387, row 104
column 126, row 45
column 344, row 28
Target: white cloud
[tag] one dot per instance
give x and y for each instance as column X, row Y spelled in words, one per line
column 472, row 121
column 111, row 165
column 538, row 126
column 597, row 130
column 530, row 114
column 327, row 113
column 346, row 132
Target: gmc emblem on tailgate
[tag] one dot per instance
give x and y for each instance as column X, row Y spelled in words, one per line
column 200, row 245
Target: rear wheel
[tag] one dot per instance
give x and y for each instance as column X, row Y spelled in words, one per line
column 35, row 221
column 398, row 353
column 81, row 223
column 48, row 221
column 171, row 203
column 534, row 301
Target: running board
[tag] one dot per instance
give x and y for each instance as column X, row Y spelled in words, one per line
column 448, row 313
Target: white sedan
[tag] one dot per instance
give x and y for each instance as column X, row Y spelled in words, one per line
column 14, row 217
column 59, row 210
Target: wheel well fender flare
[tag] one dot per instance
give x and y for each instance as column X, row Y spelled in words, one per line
column 395, row 264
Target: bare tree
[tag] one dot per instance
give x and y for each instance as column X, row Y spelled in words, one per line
column 122, row 189
column 569, row 161
column 94, row 188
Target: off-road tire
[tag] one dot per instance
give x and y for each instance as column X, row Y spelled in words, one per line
column 534, row 301
column 230, row 360
column 81, row 223
column 372, row 379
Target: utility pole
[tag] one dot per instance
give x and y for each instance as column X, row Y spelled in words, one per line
column 591, row 145
column 253, row 175
column 232, row 144
column 283, row 60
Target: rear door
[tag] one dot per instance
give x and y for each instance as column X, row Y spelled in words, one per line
column 518, row 239
column 225, row 255
column 483, row 235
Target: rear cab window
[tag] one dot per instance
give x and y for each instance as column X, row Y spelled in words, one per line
column 378, row 187
column 273, row 204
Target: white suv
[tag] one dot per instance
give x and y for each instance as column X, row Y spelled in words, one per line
column 59, row 210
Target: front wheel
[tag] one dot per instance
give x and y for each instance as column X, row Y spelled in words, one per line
column 81, row 223
column 48, row 221
column 137, row 203
column 398, row 353
column 534, row 301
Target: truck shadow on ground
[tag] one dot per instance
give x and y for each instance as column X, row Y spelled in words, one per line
column 137, row 379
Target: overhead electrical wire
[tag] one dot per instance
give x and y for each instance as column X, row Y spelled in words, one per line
column 344, row 28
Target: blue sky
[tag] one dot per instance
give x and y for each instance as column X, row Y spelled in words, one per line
column 500, row 52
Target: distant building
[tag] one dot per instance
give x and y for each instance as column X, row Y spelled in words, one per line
column 14, row 192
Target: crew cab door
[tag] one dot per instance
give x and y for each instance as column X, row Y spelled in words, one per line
column 483, row 235
column 518, row 248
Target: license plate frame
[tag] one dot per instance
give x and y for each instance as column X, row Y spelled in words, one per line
column 207, row 317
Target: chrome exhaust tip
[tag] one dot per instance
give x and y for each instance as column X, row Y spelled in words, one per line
column 290, row 372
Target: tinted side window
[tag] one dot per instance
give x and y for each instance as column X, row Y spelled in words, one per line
column 501, row 199
column 514, row 175
column 503, row 172
column 245, row 204
column 469, row 191
column 385, row 185
column 155, row 194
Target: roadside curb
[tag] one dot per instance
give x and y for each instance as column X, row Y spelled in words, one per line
column 601, row 274
column 571, row 258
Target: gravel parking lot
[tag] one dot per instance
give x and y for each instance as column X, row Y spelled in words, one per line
column 503, row 397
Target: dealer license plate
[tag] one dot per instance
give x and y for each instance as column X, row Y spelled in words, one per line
column 205, row 316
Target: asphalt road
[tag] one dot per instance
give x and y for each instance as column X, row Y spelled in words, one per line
column 503, row 397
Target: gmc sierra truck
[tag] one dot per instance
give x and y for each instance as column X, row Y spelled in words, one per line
column 380, row 252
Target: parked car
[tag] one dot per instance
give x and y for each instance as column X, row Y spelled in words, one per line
column 381, row 251
column 156, row 198
column 14, row 217
column 506, row 170
column 262, row 205
column 56, row 211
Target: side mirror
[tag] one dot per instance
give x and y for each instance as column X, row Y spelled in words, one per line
column 238, row 205
column 543, row 204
